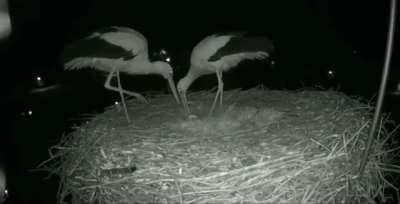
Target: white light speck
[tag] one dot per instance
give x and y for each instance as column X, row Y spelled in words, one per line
column 331, row 74
column 5, row 195
column 118, row 106
column 38, row 78
column 163, row 51
column 30, row 112
column 168, row 59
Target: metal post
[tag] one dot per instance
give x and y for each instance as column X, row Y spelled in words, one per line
column 385, row 73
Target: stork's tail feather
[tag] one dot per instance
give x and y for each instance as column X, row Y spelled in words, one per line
column 260, row 55
column 236, row 33
column 235, row 59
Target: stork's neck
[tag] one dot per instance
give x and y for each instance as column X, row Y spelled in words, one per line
column 186, row 81
column 144, row 67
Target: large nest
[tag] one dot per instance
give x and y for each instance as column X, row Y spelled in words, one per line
column 263, row 146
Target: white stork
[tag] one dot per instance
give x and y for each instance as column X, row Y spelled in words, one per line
column 218, row 53
column 114, row 50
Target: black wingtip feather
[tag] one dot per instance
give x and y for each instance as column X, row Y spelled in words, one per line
column 107, row 29
column 95, row 47
column 239, row 44
column 237, row 33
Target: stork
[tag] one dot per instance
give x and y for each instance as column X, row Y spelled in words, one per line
column 218, row 53
column 114, row 50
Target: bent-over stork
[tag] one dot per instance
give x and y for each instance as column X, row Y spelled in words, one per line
column 218, row 53
column 114, row 50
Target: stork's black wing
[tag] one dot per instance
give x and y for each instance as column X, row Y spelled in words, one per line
column 107, row 29
column 238, row 33
column 239, row 44
column 95, row 47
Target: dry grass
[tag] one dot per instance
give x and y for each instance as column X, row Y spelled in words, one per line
column 263, row 147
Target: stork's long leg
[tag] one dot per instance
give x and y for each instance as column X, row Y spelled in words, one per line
column 121, row 94
column 219, row 91
column 107, row 85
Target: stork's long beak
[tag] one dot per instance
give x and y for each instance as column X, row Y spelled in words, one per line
column 173, row 88
column 184, row 102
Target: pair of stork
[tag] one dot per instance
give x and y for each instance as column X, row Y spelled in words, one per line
column 121, row 49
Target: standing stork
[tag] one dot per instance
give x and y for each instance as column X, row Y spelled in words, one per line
column 114, row 50
column 218, row 53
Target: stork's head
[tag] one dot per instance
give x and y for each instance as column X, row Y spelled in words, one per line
column 183, row 86
column 185, row 82
column 164, row 69
column 167, row 72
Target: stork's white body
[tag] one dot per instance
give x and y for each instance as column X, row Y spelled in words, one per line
column 114, row 50
column 129, row 40
column 219, row 53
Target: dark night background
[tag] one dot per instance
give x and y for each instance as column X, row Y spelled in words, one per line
column 311, row 37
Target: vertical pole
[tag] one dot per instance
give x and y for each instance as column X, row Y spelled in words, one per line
column 382, row 89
